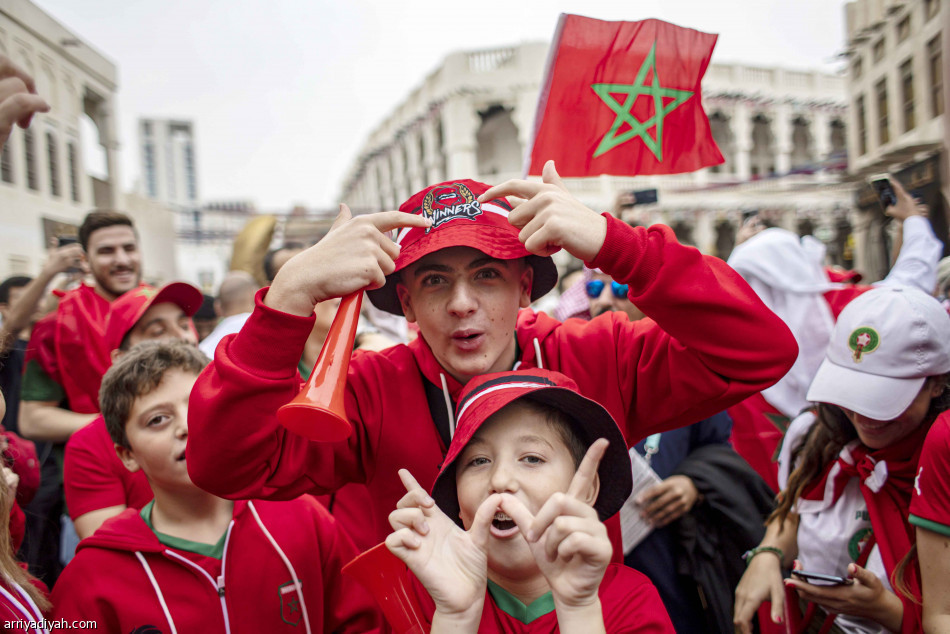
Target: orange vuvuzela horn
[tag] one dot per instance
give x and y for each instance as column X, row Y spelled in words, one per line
column 318, row 412
column 387, row 579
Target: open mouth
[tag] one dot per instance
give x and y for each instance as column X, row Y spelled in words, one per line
column 467, row 339
column 181, row 456
column 503, row 526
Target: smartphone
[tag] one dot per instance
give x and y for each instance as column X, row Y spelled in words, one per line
column 644, row 197
column 825, row 580
column 64, row 240
column 881, row 183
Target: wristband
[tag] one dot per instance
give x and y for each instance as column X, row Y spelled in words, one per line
column 749, row 554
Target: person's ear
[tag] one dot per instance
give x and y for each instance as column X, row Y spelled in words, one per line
column 526, row 282
column 937, row 386
column 115, row 355
column 591, row 496
column 127, row 456
column 405, row 300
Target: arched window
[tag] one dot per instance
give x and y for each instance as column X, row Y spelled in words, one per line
column 29, row 152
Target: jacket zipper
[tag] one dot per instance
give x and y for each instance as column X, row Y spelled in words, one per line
column 218, row 584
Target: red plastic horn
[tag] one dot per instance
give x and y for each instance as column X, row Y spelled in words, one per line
column 387, row 579
column 318, row 412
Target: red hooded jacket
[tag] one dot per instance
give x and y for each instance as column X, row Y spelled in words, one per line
column 123, row 578
column 712, row 344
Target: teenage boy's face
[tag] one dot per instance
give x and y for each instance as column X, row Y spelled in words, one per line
column 157, row 430
column 516, row 451
column 466, row 304
column 114, row 259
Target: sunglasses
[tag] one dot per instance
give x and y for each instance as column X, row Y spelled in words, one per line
column 596, row 287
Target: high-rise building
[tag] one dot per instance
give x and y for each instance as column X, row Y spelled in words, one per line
column 167, row 151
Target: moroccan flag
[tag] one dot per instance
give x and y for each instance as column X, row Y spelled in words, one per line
column 623, row 98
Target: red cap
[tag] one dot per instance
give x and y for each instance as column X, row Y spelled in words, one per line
column 485, row 395
column 125, row 311
column 459, row 220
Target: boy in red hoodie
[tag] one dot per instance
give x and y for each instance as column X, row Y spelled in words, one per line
column 512, row 538
column 190, row 561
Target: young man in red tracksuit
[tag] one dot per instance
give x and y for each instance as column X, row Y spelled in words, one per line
column 192, row 562
column 96, row 483
column 462, row 272
column 511, row 539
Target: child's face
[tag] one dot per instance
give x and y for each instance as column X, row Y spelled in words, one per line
column 466, row 304
column 518, row 452
column 157, row 430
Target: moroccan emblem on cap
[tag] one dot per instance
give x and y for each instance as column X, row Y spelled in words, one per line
column 863, row 340
column 442, row 204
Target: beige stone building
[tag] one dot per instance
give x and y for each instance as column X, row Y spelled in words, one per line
column 46, row 187
column 897, row 91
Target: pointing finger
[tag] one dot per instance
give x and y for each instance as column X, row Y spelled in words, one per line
column 389, row 220
column 587, row 472
column 514, row 187
column 409, row 482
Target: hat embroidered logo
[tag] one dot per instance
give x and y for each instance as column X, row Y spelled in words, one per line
column 862, row 341
column 443, row 204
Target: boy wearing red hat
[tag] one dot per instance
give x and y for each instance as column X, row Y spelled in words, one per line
column 512, row 539
column 96, row 483
column 464, row 264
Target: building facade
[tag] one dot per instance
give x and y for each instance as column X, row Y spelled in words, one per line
column 46, row 188
column 897, row 90
column 782, row 132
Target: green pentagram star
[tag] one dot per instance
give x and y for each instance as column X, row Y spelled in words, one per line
column 639, row 128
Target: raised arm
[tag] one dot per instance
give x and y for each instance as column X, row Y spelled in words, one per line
column 236, row 447
column 713, row 342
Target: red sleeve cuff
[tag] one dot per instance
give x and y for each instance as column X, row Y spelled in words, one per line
column 271, row 341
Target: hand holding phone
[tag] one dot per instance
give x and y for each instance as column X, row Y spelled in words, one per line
column 884, row 188
column 820, row 579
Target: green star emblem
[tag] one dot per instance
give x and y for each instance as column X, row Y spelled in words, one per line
column 623, row 110
column 147, row 292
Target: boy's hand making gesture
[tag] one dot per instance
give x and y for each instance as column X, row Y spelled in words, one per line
column 567, row 539
column 451, row 563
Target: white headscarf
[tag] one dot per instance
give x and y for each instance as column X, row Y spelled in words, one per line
column 787, row 274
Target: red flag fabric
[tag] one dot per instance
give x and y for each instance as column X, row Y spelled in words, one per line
column 623, row 98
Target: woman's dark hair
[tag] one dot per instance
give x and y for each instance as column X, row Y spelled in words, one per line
column 828, row 435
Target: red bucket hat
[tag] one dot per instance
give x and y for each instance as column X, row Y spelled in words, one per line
column 459, row 220
column 487, row 394
column 131, row 305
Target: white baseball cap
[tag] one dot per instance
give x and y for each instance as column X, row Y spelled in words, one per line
column 884, row 346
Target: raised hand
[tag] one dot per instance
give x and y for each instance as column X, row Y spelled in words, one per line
column 450, row 562
column 567, row 539
column 550, row 218
column 355, row 254
column 18, row 98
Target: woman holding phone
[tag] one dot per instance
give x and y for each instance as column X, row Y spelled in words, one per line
column 847, row 471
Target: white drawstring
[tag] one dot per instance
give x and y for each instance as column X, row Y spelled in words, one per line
column 158, row 591
column 290, row 568
column 36, row 617
column 448, row 406
column 537, row 353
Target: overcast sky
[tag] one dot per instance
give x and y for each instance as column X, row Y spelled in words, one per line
column 283, row 93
